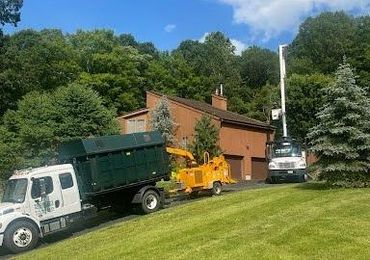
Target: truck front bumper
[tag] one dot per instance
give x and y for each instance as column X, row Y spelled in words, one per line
column 293, row 175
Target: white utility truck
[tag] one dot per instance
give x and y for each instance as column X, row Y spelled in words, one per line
column 287, row 161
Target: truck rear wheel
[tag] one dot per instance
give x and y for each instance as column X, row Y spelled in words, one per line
column 217, row 188
column 21, row 236
column 150, row 202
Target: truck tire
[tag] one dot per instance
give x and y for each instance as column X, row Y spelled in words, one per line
column 150, row 202
column 21, row 236
column 217, row 188
column 194, row 195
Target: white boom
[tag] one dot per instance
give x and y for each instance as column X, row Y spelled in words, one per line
column 282, row 87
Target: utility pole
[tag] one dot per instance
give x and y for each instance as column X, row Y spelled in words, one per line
column 282, row 86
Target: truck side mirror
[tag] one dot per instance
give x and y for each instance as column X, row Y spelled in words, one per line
column 304, row 154
column 268, row 151
column 42, row 188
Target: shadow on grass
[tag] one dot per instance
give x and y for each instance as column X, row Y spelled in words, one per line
column 316, row 185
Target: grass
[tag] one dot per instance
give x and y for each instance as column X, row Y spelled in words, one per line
column 282, row 222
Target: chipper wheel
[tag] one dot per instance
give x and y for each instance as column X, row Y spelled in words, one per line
column 217, row 188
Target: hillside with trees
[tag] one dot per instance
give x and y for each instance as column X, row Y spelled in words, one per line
column 40, row 67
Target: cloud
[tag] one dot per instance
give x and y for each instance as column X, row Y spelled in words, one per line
column 203, row 38
column 239, row 46
column 269, row 18
column 169, row 27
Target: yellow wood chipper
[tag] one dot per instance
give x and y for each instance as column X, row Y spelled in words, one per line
column 210, row 175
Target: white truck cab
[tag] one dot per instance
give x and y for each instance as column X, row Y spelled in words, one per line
column 287, row 162
column 37, row 202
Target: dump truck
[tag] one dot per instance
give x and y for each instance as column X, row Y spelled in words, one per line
column 94, row 174
column 210, row 176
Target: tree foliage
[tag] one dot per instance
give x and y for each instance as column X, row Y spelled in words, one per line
column 206, row 139
column 214, row 62
column 32, row 132
column 341, row 139
column 258, row 67
column 35, row 61
column 161, row 120
column 263, row 102
column 121, row 69
column 323, row 41
column 304, row 98
column 10, row 12
column 116, row 77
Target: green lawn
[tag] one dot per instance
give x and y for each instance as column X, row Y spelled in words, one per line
column 287, row 222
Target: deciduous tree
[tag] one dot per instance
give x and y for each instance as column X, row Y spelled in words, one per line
column 32, row 133
column 304, row 98
column 323, row 40
column 10, row 12
column 259, row 67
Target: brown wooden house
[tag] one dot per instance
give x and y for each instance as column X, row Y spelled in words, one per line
column 242, row 139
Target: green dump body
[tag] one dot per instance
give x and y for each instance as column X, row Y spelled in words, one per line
column 111, row 163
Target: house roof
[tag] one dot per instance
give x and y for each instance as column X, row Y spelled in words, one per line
column 134, row 113
column 224, row 115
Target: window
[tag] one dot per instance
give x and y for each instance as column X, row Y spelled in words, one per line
column 287, row 149
column 136, row 126
column 140, row 125
column 131, row 126
column 15, row 191
column 66, row 180
column 36, row 191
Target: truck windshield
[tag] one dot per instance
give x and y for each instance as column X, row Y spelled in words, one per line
column 287, row 150
column 15, row 191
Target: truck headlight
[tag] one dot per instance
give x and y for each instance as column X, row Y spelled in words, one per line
column 302, row 164
column 272, row 165
column 7, row 211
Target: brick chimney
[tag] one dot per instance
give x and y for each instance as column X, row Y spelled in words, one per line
column 219, row 100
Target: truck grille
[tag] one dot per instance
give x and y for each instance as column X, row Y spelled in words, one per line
column 286, row 165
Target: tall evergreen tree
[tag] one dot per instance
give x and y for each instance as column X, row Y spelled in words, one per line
column 206, row 139
column 341, row 139
column 161, row 120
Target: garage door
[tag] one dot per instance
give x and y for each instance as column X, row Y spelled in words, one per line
column 236, row 164
column 259, row 168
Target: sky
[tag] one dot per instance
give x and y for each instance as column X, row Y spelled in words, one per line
column 266, row 23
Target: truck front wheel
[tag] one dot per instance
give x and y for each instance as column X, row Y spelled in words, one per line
column 21, row 236
column 150, row 202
